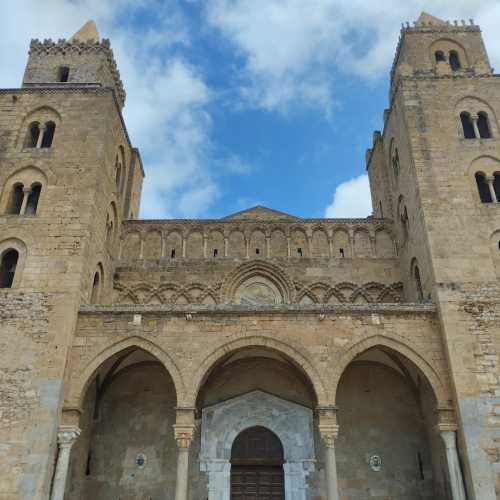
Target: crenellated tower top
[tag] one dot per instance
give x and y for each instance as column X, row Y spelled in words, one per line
column 83, row 59
column 433, row 47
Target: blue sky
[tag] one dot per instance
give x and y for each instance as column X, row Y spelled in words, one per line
column 241, row 102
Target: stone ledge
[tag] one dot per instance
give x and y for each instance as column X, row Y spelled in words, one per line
column 330, row 309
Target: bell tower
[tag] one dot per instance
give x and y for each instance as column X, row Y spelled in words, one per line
column 68, row 176
column 436, row 170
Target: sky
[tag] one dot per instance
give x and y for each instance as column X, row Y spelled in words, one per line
column 235, row 103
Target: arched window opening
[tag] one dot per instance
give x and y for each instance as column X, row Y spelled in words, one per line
column 8, row 266
column 418, row 283
column 48, row 135
column 395, row 162
column 63, row 74
column 496, row 185
column 118, row 173
column 483, row 188
column 455, row 60
column 16, row 199
column 33, row 135
column 440, row 57
column 468, row 126
column 483, row 125
column 33, row 199
column 94, row 297
column 109, row 231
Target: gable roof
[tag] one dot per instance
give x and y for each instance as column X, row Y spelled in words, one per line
column 260, row 212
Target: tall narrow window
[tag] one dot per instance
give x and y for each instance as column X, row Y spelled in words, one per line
column 455, row 60
column 118, row 173
column 467, row 125
column 496, row 185
column 16, row 199
column 63, row 75
column 440, row 56
column 48, row 135
column 32, row 136
column 33, row 199
column 483, row 125
column 395, row 162
column 418, row 283
column 8, row 266
column 483, row 188
column 94, row 297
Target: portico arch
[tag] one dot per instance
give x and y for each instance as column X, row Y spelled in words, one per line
column 79, row 386
column 398, row 346
column 298, row 359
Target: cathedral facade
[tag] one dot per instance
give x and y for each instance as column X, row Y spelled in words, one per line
column 262, row 355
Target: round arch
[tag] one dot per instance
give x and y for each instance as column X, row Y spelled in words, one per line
column 298, row 359
column 79, row 388
column 400, row 347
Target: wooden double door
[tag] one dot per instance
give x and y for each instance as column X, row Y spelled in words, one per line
column 257, row 466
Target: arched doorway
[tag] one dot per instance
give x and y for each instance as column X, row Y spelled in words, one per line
column 257, row 466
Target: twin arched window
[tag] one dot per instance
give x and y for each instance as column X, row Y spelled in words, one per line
column 476, row 127
column 24, row 201
column 8, row 265
column 488, row 187
column 453, row 59
column 40, row 136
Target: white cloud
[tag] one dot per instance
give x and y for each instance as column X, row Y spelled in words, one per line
column 291, row 48
column 351, row 199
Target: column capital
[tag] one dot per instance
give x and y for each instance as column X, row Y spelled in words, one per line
column 67, row 435
column 184, row 435
column 489, row 178
column 329, row 433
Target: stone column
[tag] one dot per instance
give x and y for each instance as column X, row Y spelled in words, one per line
column 184, row 431
column 456, row 479
column 329, row 431
column 66, row 438
column 26, row 195
column 490, row 179
column 476, row 128
column 40, row 136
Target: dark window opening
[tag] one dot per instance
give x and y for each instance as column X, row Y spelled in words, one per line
column 455, row 60
column 499, row 245
column 48, row 135
column 440, row 56
column 8, row 267
column 381, row 209
column 257, row 251
column 342, row 254
column 16, row 200
column 483, row 125
column 33, row 135
column 496, row 186
column 63, row 74
column 87, row 467
column 299, row 251
column 172, row 253
column 420, row 466
column 33, row 199
column 95, row 289
column 483, row 188
column 216, row 252
column 118, row 176
column 418, row 283
column 467, row 126
column 109, row 231
column 395, row 163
